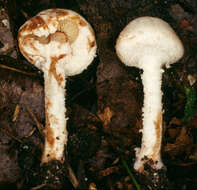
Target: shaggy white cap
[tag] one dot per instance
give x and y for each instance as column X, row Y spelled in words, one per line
column 146, row 36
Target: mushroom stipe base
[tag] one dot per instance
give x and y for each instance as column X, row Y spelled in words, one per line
column 156, row 179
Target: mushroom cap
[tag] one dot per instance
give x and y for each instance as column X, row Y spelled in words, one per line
column 148, row 37
column 58, row 36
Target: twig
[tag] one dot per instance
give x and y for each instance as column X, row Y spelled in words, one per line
column 12, row 136
column 38, row 187
column 25, row 14
column 30, row 133
column 92, row 186
column 72, row 176
column 17, row 70
column 16, row 112
column 38, row 124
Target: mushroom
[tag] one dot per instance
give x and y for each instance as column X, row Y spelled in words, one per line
column 61, row 43
column 149, row 43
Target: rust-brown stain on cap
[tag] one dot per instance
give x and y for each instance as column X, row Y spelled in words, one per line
column 91, row 44
column 158, row 129
column 61, row 12
column 33, row 47
column 35, row 23
column 25, row 54
column 79, row 20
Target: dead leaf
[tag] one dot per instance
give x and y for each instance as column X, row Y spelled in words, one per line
column 173, row 132
column 193, row 121
column 186, row 25
column 106, row 116
column 183, row 143
column 175, row 121
column 193, row 156
column 108, row 171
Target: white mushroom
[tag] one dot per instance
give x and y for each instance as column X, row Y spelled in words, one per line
column 149, row 43
column 61, row 43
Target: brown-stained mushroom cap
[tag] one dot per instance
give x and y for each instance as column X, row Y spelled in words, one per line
column 58, row 33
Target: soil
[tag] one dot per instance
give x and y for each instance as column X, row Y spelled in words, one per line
column 104, row 104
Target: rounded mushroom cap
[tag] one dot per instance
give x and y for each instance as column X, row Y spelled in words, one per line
column 58, row 36
column 148, row 37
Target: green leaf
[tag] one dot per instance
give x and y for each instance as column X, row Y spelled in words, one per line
column 189, row 110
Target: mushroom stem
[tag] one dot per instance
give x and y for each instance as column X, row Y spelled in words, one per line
column 152, row 114
column 55, row 111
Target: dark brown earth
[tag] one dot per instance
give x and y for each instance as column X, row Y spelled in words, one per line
column 104, row 104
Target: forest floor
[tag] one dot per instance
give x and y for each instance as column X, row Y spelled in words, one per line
column 104, row 102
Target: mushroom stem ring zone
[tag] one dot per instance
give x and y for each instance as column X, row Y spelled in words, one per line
column 149, row 43
column 61, row 43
